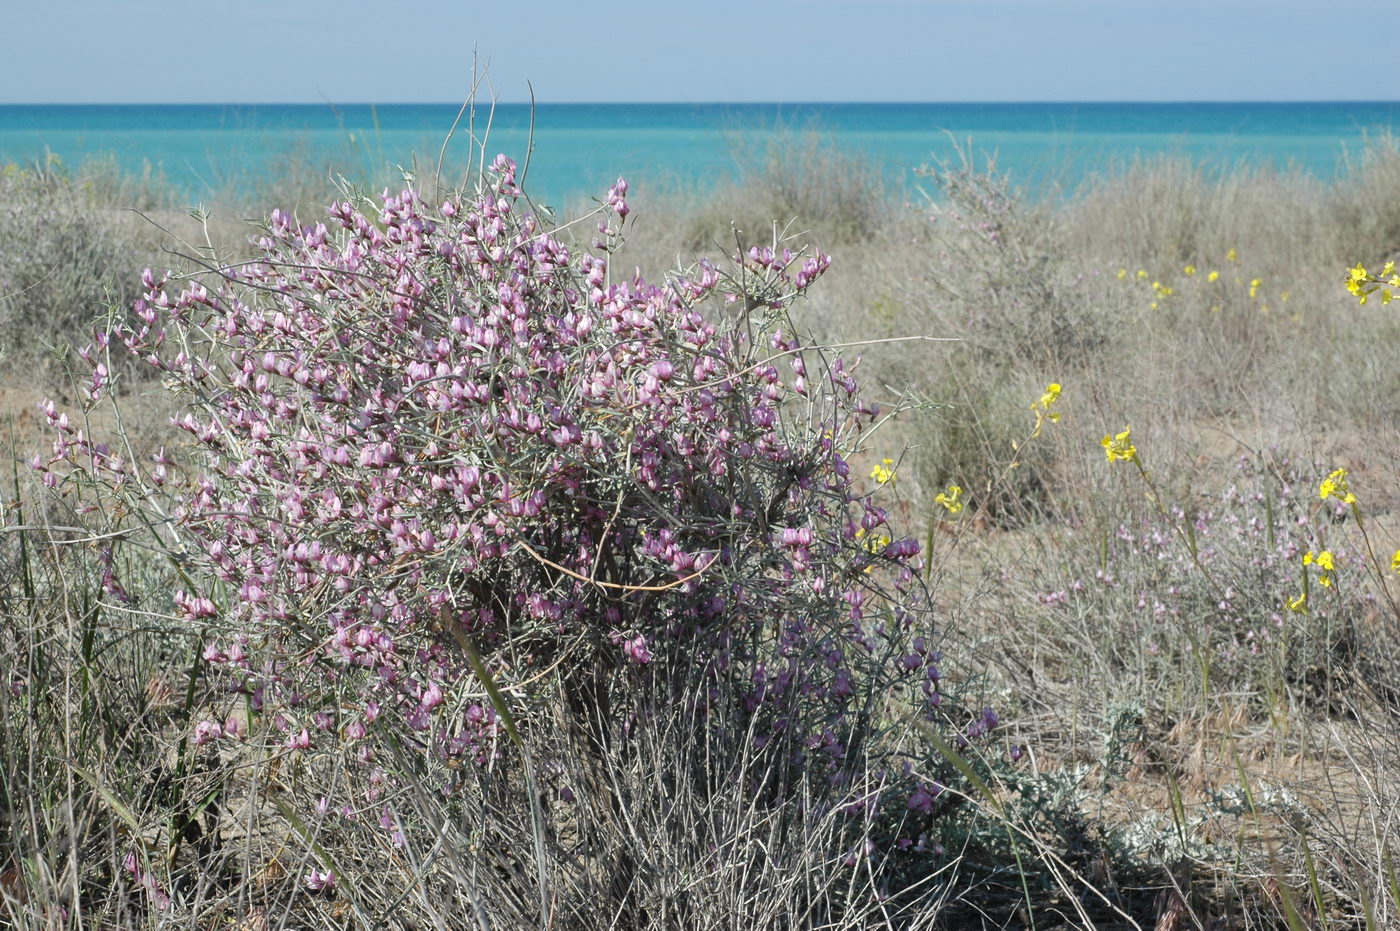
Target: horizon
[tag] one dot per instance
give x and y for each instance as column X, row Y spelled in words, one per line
column 200, row 146
column 703, row 103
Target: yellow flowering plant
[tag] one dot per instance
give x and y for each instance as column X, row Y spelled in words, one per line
column 1192, row 284
column 954, row 501
column 1044, row 408
column 874, row 544
column 1326, row 566
column 951, row 499
column 884, row 472
column 1120, row 448
column 1362, row 283
column 1335, row 485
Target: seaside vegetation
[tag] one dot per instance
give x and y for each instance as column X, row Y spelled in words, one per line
column 802, row 554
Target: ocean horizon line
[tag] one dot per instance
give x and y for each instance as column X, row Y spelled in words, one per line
column 705, row 103
column 581, row 146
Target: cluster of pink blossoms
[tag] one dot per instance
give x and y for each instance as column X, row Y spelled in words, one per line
column 417, row 427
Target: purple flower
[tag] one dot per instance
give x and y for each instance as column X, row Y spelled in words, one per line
column 636, row 650
column 320, row 880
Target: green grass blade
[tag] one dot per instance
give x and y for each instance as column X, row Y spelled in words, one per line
column 119, row 808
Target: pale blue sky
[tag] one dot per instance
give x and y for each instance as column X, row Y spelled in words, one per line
column 97, row 51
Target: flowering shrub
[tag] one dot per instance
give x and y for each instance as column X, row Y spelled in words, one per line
column 447, row 467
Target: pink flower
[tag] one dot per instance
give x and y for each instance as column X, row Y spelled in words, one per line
column 320, row 880
column 432, row 696
column 207, row 731
column 636, row 650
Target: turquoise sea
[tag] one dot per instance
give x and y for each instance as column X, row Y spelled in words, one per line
column 580, row 148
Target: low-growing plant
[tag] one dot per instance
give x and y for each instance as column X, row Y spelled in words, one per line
column 1221, row 587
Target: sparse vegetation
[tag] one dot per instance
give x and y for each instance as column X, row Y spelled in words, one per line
column 1164, row 655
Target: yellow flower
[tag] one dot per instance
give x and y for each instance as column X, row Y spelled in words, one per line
column 1335, row 486
column 1232, row 256
column 1285, row 296
column 1213, row 276
column 1395, row 562
column 1189, row 270
column 883, row 473
column 1122, row 273
column 1254, row 287
column 951, row 499
column 1326, row 565
column 876, row 543
column 1299, row 605
column 1359, row 283
column 1120, row 448
column 1043, row 407
column 1388, row 270
column 1142, row 273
